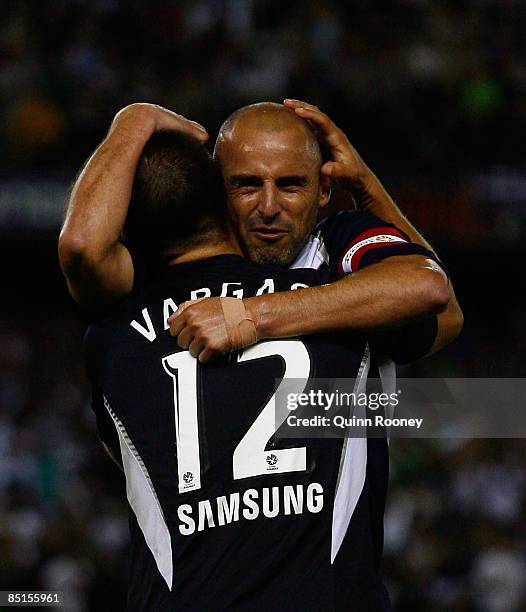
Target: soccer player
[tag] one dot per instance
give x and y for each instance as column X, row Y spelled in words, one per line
column 223, row 513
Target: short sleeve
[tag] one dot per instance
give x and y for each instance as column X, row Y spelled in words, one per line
column 356, row 239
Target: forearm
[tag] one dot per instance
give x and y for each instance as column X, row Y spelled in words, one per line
column 384, row 295
column 390, row 293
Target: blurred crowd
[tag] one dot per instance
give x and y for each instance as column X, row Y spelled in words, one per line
column 63, row 524
column 431, row 93
column 454, row 526
column 444, row 82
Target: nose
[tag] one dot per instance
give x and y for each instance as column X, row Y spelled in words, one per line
column 268, row 204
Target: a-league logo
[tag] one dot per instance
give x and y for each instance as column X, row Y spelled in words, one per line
column 272, row 459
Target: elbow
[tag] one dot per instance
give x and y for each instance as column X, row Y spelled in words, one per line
column 434, row 292
column 71, row 251
column 75, row 253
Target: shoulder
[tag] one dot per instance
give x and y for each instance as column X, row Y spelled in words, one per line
column 349, row 223
column 356, row 238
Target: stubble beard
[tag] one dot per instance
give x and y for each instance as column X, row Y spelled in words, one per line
column 275, row 255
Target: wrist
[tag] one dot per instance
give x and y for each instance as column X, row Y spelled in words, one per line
column 137, row 121
column 259, row 310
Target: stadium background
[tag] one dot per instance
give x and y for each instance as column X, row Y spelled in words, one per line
column 433, row 94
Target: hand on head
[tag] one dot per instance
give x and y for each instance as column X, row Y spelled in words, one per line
column 345, row 165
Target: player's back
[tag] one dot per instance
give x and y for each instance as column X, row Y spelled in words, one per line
column 225, row 514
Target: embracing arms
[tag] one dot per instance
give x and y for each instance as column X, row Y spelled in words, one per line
column 386, row 294
column 99, row 269
column 383, row 295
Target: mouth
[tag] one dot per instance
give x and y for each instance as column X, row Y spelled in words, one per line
column 269, row 233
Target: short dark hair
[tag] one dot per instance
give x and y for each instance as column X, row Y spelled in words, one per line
column 178, row 195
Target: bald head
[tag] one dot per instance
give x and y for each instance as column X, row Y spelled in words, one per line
column 268, row 120
column 271, row 165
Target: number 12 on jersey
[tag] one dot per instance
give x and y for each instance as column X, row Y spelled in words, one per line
column 249, row 457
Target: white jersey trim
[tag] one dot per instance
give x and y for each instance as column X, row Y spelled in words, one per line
column 313, row 255
column 353, row 467
column 144, row 502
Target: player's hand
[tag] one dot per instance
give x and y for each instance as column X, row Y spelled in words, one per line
column 345, row 166
column 152, row 118
column 200, row 327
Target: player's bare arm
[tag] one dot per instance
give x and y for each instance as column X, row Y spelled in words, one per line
column 386, row 294
column 97, row 266
column 347, row 168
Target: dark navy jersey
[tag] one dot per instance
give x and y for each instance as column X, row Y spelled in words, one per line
column 224, row 514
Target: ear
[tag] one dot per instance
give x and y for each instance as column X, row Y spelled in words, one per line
column 325, row 189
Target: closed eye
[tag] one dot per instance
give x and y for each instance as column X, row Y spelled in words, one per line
column 238, row 182
column 290, row 182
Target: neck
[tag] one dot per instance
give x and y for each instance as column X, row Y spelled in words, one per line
column 203, row 251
